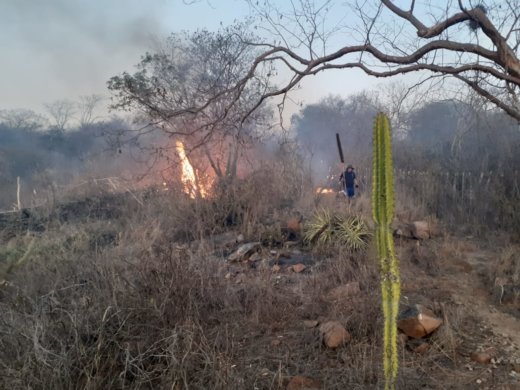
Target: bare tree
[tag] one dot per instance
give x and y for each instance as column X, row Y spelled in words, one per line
column 87, row 109
column 185, row 91
column 61, row 112
column 22, row 119
column 475, row 44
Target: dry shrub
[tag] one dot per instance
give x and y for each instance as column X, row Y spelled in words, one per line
column 508, row 266
column 138, row 314
column 449, row 337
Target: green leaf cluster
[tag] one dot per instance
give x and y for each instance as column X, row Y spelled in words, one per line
column 326, row 229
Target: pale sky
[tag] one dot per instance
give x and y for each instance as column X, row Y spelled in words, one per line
column 56, row 49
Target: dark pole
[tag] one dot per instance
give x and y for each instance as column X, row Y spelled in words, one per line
column 340, row 149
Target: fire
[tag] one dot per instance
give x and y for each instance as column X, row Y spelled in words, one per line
column 189, row 179
column 322, row 190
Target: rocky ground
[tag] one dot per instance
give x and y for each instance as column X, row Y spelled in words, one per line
column 466, row 338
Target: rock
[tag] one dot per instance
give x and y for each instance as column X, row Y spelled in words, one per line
column 422, row 348
column 310, row 323
column 298, row 268
column 303, row 383
column 420, row 230
column 334, row 334
column 481, row 357
column 398, row 233
column 403, row 232
column 244, row 251
column 294, row 224
column 292, row 227
column 416, row 321
column 240, row 238
column 276, row 268
column 343, row 292
column 228, row 275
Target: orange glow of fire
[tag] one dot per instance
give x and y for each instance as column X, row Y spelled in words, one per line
column 322, row 190
column 189, row 179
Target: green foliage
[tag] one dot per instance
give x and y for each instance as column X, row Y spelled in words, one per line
column 326, row 230
column 383, row 213
column 353, row 233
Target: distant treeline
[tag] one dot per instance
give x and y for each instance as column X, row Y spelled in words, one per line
column 439, row 135
column 41, row 154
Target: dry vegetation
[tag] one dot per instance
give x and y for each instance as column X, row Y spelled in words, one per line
column 144, row 298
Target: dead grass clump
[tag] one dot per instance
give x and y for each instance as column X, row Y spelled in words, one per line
column 100, row 326
column 448, row 338
column 507, row 266
column 128, row 316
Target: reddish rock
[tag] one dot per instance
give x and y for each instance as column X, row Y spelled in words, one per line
column 417, row 322
column 294, row 224
column 298, row 268
column 420, row 230
column 344, row 291
column 334, row 334
column 481, row 357
column 303, row 383
column 422, row 348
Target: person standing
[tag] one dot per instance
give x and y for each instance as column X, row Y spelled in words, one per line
column 348, row 180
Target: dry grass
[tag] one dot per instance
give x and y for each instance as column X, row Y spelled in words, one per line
column 122, row 303
column 126, row 302
column 508, row 265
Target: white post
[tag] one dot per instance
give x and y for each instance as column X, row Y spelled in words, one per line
column 18, row 202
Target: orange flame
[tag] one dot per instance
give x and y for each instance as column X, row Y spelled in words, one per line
column 191, row 185
column 322, row 190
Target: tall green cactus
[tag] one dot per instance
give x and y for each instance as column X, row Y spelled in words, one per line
column 383, row 213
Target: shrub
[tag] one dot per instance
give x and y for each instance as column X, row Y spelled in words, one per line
column 327, row 231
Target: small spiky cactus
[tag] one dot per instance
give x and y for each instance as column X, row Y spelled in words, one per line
column 383, row 213
column 327, row 229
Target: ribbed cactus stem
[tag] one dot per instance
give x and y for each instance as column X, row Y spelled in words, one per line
column 383, row 213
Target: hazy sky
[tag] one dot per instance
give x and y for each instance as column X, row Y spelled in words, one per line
column 55, row 49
